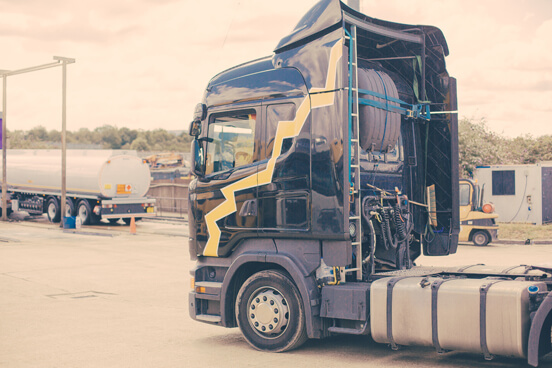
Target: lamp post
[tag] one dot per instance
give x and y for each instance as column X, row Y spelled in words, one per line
column 4, row 172
column 59, row 61
column 64, row 62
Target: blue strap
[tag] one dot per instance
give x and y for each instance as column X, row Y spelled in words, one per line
column 413, row 111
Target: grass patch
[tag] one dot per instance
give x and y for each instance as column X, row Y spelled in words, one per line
column 524, row 231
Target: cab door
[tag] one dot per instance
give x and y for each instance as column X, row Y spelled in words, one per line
column 227, row 195
column 284, row 202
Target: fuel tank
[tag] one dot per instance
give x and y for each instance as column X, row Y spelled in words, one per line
column 489, row 315
column 100, row 173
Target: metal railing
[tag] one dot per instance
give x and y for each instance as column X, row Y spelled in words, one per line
column 171, row 206
column 171, row 198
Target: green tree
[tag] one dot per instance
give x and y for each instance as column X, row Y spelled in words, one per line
column 478, row 146
column 38, row 134
column 127, row 136
column 109, row 136
column 54, row 136
column 140, row 144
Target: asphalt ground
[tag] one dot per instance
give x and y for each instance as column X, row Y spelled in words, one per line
column 101, row 297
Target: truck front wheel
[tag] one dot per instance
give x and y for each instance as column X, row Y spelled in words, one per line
column 481, row 238
column 270, row 313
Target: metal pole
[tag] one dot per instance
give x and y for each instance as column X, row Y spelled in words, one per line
column 4, row 172
column 63, row 142
column 5, row 74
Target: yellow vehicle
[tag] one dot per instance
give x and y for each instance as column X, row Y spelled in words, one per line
column 477, row 220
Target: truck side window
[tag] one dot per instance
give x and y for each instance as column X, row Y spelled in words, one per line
column 231, row 141
column 275, row 114
column 464, row 194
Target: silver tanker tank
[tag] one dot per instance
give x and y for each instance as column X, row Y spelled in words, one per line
column 103, row 173
column 99, row 184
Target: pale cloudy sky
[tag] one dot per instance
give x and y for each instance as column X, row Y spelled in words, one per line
column 144, row 64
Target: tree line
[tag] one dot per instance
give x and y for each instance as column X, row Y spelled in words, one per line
column 478, row 145
column 106, row 137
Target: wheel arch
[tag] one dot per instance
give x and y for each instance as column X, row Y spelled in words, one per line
column 248, row 264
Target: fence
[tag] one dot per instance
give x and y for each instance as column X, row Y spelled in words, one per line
column 171, row 197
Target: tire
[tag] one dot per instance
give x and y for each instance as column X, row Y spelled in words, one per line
column 53, row 210
column 270, row 312
column 84, row 211
column 69, row 207
column 481, row 238
column 8, row 212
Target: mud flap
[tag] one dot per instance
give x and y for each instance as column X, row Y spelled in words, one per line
column 539, row 335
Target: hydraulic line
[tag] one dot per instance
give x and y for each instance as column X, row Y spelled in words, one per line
column 371, row 257
column 400, row 226
column 384, row 223
column 386, row 227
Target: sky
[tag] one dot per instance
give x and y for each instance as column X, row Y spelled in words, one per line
column 144, row 64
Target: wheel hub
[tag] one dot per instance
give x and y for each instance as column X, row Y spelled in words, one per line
column 268, row 312
column 52, row 210
column 479, row 238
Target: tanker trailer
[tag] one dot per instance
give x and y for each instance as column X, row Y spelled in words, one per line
column 99, row 184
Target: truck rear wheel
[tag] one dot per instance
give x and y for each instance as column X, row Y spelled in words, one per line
column 8, row 212
column 481, row 238
column 270, row 313
column 69, row 207
column 84, row 212
column 52, row 209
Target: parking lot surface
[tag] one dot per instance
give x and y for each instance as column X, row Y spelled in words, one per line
column 101, row 297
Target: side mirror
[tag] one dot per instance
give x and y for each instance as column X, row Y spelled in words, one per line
column 200, row 113
column 198, row 159
column 195, row 128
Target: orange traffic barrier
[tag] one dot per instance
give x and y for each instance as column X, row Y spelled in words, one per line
column 132, row 226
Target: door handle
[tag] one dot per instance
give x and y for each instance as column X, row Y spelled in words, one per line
column 249, row 208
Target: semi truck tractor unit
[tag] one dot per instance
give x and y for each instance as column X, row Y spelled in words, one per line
column 100, row 184
column 323, row 171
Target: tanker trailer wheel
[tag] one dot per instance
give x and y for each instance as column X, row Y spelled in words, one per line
column 481, row 238
column 69, row 207
column 84, row 212
column 53, row 210
column 8, row 212
column 270, row 313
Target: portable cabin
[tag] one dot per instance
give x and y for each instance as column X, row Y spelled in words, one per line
column 520, row 193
